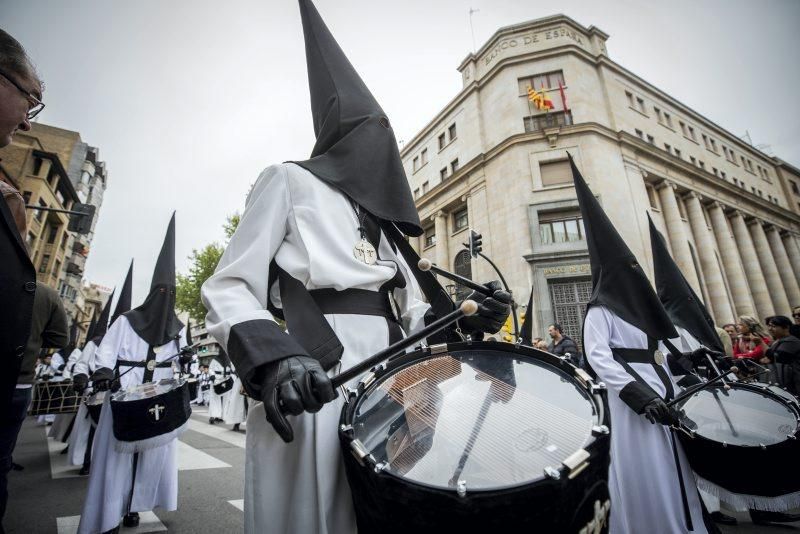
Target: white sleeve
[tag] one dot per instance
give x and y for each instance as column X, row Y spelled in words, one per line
column 82, row 365
column 106, row 354
column 237, row 291
column 596, row 333
column 410, row 300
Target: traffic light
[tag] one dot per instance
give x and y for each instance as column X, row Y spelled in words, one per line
column 81, row 222
column 475, row 244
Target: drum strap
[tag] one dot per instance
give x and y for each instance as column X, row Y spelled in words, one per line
column 148, row 372
column 627, row 356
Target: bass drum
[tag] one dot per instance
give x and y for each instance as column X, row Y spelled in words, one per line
column 743, row 440
column 477, row 436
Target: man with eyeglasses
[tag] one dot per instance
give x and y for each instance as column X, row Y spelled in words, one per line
column 20, row 100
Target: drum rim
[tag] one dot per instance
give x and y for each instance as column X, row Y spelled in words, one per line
column 352, row 401
column 753, row 388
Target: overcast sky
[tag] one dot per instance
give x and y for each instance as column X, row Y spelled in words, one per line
column 188, row 100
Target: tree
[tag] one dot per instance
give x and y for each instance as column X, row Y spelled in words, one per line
column 203, row 264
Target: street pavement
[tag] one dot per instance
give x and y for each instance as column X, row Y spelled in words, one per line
column 47, row 496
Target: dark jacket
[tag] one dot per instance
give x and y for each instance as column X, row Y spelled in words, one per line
column 785, row 350
column 17, row 290
column 566, row 346
column 48, row 329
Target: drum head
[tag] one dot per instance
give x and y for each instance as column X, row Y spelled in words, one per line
column 747, row 417
column 489, row 418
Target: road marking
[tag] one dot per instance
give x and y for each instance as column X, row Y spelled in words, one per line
column 190, row 458
column 221, row 432
column 148, row 522
column 59, row 463
column 238, row 503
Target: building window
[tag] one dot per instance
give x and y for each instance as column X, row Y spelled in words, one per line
column 693, row 160
column 678, row 153
column 560, row 229
column 555, row 173
column 668, row 119
column 416, row 193
column 39, row 214
column 43, row 265
column 452, row 131
column 569, row 299
column 460, row 219
column 795, row 189
column 548, row 80
column 26, row 196
column 454, row 166
column 681, row 207
column 651, row 139
column 705, row 141
column 442, row 141
column 716, row 171
column 659, row 116
column 423, row 157
column 640, row 134
column 553, row 119
column 668, row 148
column 713, row 145
column 462, row 265
column 424, row 187
column 683, row 128
column 416, row 163
column 443, row 173
column 724, row 176
column 430, row 237
column 51, row 235
column 37, row 166
column 651, row 196
column 692, row 135
column 30, row 240
column 702, row 165
column 640, row 105
column 57, row 268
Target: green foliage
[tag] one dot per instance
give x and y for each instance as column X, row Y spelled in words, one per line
column 231, row 224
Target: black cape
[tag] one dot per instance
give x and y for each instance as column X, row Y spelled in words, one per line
column 155, row 320
column 679, row 299
column 618, row 281
column 124, row 301
column 356, row 150
column 526, row 331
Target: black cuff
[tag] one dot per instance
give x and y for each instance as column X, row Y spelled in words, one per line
column 447, row 335
column 253, row 344
column 637, row 396
column 103, row 373
column 679, row 365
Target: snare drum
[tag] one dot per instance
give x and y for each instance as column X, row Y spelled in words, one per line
column 477, row 436
column 94, row 404
column 743, row 440
column 150, row 414
column 192, row 387
column 52, row 397
column 224, row 386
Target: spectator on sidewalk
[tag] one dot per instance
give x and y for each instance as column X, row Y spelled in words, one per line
column 784, row 352
column 563, row 345
column 752, row 342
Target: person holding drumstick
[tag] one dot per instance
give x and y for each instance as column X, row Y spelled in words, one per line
column 321, row 244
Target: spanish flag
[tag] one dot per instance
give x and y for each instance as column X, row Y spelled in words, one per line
column 540, row 99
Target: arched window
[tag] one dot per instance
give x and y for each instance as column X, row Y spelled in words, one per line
column 462, row 265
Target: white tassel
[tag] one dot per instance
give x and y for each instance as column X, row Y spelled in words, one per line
column 742, row 502
column 131, row 447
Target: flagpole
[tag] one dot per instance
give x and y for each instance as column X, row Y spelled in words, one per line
column 471, row 27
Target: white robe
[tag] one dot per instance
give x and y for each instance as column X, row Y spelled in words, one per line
column 643, row 479
column 217, row 403
column 79, row 438
column 235, row 411
column 310, row 229
column 156, row 484
column 74, row 356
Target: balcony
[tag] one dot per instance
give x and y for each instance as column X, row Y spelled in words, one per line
column 555, row 119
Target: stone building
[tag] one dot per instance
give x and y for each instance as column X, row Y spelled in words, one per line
column 492, row 162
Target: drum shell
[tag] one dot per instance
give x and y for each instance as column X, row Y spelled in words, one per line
column 223, row 387
column 54, row 397
column 192, row 388
column 132, row 422
column 768, row 471
column 387, row 503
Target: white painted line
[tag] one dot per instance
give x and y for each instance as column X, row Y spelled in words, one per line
column 219, row 431
column 148, row 522
column 190, row 458
column 59, row 463
column 238, row 503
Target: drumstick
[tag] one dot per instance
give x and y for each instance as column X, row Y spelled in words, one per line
column 426, row 265
column 468, row 307
column 692, row 390
column 487, row 402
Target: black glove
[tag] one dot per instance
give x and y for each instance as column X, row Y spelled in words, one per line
column 290, row 387
column 186, row 354
column 79, row 383
column 492, row 311
column 102, row 384
column 657, row 411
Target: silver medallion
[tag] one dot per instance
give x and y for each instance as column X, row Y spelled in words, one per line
column 365, row 252
column 658, row 356
column 151, row 364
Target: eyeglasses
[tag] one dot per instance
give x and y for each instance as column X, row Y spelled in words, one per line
column 36, row 106
column 796, row 315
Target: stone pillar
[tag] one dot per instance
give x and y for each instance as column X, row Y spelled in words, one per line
column 771, row 274
column 784, row 266
column 676, row 233
column 720, row 304
column 752, row 267
column 442, row 243
column 731, row 262
column 793, row 251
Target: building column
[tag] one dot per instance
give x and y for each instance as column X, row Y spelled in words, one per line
column 752, row 267
column 731, row 262
column 676, row 233
column 784, row 266
column 793, row 251
column 780, row 304
column 442, row 244
column 720, row 304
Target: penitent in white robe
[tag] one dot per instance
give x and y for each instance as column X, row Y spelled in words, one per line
column 156, row 484
column 79, row 437
column 643, row 479
column 236, row 407
column 217, row 403
column 309, row 228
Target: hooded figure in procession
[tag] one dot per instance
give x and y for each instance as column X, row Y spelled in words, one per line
column 219, row 369
column 321, row 244
column 80, row 446
column 125, row 483
column 652, row 486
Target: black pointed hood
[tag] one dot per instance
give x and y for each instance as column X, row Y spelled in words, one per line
column 90, row 331
column 189, row 340
column 124, row 301
column 356, row 150
column 155, row 320
column 618, row 281
column 679, row 299
column 73, row 339
column 526, row 331
column 102, row 322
